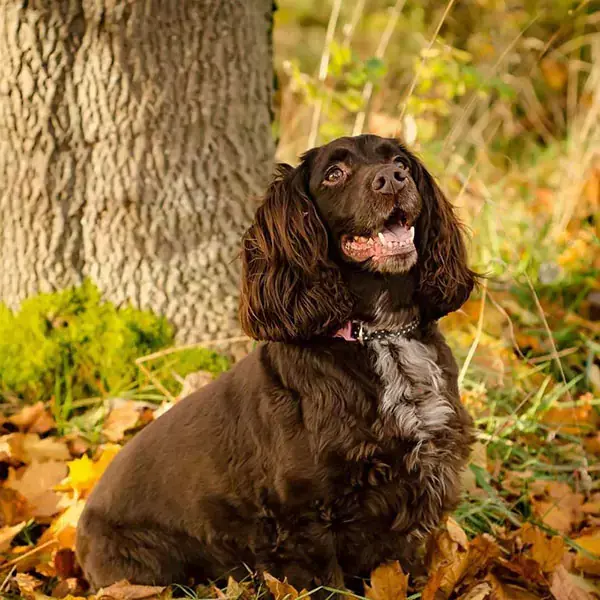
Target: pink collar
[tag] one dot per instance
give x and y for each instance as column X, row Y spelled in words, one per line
column 355, row 331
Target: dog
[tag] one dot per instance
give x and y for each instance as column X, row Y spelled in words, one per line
column 337, row 444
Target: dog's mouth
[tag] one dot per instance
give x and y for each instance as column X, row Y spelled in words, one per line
column 395, row 238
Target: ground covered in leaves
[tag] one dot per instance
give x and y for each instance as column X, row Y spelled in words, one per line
column 529, row 523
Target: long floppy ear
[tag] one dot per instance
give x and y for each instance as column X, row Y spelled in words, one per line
column 291, row 290
column 445, row 280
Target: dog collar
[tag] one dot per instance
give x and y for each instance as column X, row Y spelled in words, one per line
column 355, row 331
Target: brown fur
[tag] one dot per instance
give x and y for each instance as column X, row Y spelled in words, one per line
column 314, row 458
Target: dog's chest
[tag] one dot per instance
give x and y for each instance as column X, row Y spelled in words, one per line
column 413, row 400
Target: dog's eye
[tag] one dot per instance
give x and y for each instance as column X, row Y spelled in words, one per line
column 334, row 175
column 399, row 161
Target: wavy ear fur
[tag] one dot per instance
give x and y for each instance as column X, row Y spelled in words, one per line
column 445, row 280
column 291, row 290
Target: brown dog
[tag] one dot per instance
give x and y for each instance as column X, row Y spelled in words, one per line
column 338, row 444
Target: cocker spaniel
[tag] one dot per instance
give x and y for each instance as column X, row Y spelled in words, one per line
column 336, row 445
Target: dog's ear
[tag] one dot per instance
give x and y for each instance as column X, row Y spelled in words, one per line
column 291, row 290
column 445, row 280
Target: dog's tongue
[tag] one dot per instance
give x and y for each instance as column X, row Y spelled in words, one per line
column 396, row 233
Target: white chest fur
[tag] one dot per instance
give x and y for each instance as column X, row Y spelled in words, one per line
column 414, row 388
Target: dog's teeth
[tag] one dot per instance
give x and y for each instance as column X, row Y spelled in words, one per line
column 370, row 242
column 412, row 233
column 381, row 238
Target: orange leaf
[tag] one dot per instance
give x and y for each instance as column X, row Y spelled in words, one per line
column 589, row 564
column 281, row 589
column 388, row 582
column 547, row 552
column 8, row 534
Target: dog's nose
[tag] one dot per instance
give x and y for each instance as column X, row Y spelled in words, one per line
column 389, row 180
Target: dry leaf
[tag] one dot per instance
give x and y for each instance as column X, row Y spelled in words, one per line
column 563, row 511
column 483, row 551
column 456, row 533
column 8, row 534
column 564, row 587
column 547, row 552
column 120, row 420
column 13, row 507
column 506, row 591
column 448, row 560
column 572, row 419
column 69, row 589
column 281, row 589
column 28, row 447
column 35, row 485
column 479, row 592
column 123, row 590
column 27, row 584
column 34, row 419
column 388, row 582
column 588, row 564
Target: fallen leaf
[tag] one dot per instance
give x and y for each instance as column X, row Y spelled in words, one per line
column 479, row 592
column 388, row 582
column 13, row 507
column 8, row 534
column 575, row 420
column 563, row 586
column 65, row 564
column 483, row 551
column 448, row 561
column 547, row 552
column 34, row 419
column 456, row 533
column 507, row 591
column 281, row 589
column 123, row 590
column 35, row 484
column 84, row 472
column 27, row 584
column 120, row 420
column 589, row 564
column 29, row 447
column 563, row 510
column 236, row 590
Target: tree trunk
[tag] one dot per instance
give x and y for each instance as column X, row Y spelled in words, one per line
column 133, row 136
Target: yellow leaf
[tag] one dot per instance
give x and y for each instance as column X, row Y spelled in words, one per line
column 84, row 473
column 388, row 582
column 588, row 564
column 281, row 589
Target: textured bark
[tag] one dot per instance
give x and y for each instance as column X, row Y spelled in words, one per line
column 133, row 136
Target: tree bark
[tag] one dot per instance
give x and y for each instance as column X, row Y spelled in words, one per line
column 133, row 136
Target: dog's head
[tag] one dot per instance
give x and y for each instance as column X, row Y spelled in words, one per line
column 363, row 204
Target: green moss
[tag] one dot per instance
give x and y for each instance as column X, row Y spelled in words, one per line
column 71, row 344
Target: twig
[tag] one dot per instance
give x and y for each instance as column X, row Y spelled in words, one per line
column 15, row 561
column 159, row 386
column 413, row 83
column 463, row 370
column 323, row 69
column 7, row 578
column 359, row 122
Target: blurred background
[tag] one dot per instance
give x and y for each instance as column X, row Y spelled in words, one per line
column 136, row 139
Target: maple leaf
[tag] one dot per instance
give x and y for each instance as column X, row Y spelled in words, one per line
column 84, row 472
column 282, row 589
column 547, row 552
column 388, row 582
